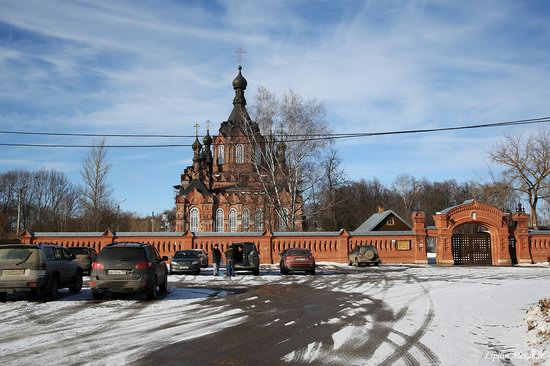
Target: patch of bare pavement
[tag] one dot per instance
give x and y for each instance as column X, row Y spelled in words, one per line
column 303, row 323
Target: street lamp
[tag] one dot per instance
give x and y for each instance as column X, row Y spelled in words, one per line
column 118, row 213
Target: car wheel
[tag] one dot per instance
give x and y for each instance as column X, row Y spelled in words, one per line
column 356, row 263
column 96, row 295
column 256, row 272
column 75, row 289
column 3, row 296
column 376, row 264
column 312, row 272
column 53, row 290
column 198, row 271
column 350, row 263
column 151, row 292
column 164, row 286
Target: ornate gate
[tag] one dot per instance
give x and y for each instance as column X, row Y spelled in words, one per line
column 472, row 249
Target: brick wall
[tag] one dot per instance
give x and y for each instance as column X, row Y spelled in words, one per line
column 540, row 245
column 325, row 246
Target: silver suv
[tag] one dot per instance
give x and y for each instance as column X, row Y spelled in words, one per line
column 364, row 255
column 40, row 269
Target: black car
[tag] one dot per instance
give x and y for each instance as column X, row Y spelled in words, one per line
column 247, row 257
column 186, row 261
column 127, row 268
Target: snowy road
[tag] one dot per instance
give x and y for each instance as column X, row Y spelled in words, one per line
column 367, row 316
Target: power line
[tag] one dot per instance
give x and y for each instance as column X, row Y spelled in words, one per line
column 285, row 139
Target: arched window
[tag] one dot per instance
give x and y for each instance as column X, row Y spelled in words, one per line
column 259, row 220
column 239, row 154
column 194, row 220
column 232, row 220
column 219, row 220
column 220, row 155
column 246, row 219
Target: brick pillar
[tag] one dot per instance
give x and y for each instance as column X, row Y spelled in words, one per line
column 343, row 243
column 26, row 237
column 443, row 245
column 521, row 233
column 266, row 252
column 107, row 237
column 188, row 240
column 418, row 220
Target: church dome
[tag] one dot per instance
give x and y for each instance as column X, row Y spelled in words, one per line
column 240, row 82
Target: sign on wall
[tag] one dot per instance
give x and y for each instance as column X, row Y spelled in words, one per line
column 403, row 245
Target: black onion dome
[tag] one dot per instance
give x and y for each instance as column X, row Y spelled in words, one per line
column 207, row 139
column 196, row 144
column 240, row 82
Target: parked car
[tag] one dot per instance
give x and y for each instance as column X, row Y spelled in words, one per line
column 203, row 257
column 128, row 268
column 247, row 257
column 297, row 259
column 38, row 269
column 186, row 261
column 84, row 256
column 364, row 254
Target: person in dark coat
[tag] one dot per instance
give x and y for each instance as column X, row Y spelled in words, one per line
column 230, row 260
column 216, row 259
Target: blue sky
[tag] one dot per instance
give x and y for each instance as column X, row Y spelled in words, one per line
column 162, row 66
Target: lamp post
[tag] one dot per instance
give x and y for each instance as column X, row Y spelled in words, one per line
column 118, row 213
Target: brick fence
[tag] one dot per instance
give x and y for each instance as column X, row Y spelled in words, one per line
column 325, row 246
column 393, row 246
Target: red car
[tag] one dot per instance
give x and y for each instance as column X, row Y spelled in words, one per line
column 297, row 259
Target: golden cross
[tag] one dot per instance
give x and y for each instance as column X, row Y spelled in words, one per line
column 207, row 124
column 196, row 129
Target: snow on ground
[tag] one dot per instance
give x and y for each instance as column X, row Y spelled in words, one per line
column 74, row 330
column 445, row 315
column 537, row 320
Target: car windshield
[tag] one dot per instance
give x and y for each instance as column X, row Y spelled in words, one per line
column 78, row 251
column 15, row 255
column 122, row 253
column 298, row 252
column 185, row 254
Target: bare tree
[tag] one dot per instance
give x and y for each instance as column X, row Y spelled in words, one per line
column 526, row 166
column 288, row 158
column 96, row 192
column 325, row 197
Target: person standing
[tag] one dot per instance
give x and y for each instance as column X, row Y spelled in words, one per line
column 230, row 261
column 216, row 259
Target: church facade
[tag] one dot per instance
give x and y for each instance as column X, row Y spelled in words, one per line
column 224, row 190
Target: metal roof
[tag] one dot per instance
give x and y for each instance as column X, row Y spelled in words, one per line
column 376, row 219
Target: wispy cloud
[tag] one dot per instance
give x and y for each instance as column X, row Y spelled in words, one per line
column 378, row 65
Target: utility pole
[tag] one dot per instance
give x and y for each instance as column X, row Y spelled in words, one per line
column 19, row 202
column 152, row 221
column 118, row 213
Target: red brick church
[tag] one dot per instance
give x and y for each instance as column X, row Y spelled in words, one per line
column 222, row 190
